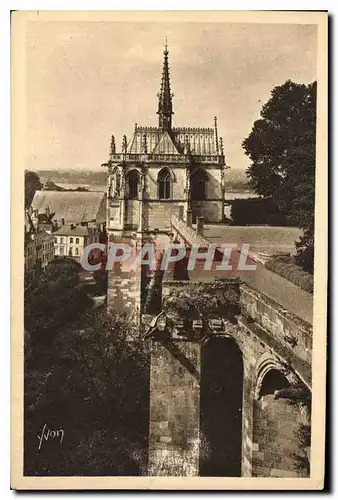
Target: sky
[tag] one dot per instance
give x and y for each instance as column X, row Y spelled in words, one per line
column 88, row 80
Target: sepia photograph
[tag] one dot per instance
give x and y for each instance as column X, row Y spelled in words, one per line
column 169, row 200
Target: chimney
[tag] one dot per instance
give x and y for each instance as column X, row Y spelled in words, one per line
column 189, row 218
column 62, row 221
column 47, row 210
column 72, row 226
column 199, row 226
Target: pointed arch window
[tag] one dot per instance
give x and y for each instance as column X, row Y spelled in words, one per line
column 164, row 183
column 133, row 180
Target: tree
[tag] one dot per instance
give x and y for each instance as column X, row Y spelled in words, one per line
column 282, row 150
column 32, row 184
column 56, row 299
column 95, row 387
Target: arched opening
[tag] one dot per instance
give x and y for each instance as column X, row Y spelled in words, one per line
column 198, row 184
column 221, row 396
column 274, row 380
column 164, row 184
column 278, row 430
column 132, row 182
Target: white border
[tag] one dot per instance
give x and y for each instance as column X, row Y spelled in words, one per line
column 5, row 135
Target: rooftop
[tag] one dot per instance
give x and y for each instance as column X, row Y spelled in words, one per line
column 43, row 235
column 199, row 141
column 69, row 230
column 72, row 206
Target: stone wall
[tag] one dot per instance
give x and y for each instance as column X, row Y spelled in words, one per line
column 174, row 408
column 187, row 234
column 213, row 185
column 277, row 348
column 276, row 441
column 287, row 334
column 160, row 213
column 269, row 426
column 132, row 214
column 271, row 444
column 124, row 293
column 178, row 184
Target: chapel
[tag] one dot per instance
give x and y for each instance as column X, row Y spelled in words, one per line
column 162, row 168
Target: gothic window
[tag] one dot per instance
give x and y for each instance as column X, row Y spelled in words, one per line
column 164, row 184
column 132, row 184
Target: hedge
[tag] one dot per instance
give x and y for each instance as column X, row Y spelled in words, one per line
column 286, row 268
column 256, row 211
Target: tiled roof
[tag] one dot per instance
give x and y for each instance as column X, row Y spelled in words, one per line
column 72, row 206
column 68, row 230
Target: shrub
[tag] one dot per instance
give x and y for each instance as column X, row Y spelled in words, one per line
column 287, row 268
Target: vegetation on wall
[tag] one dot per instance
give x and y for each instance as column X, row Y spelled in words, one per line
column 198, row 301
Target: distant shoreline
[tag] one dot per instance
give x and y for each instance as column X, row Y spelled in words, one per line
column 236, row 180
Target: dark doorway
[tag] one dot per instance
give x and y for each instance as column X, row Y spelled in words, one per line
column 198, row 180
column 221, row 409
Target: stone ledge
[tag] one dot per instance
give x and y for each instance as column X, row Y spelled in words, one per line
column 276, row 307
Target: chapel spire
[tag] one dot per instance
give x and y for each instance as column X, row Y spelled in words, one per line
column 165, row 107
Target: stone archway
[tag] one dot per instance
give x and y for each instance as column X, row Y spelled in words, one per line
column 280, row 433
column 221, row 408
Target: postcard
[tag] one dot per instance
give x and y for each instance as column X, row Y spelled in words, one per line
column 169, row 235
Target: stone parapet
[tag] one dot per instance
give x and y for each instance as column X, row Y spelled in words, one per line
column 281, row 326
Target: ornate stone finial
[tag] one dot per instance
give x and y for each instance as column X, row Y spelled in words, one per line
column 216, row 135
column 221, row 146
column 144, row 144
column 124, row 144
column 112, row 145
